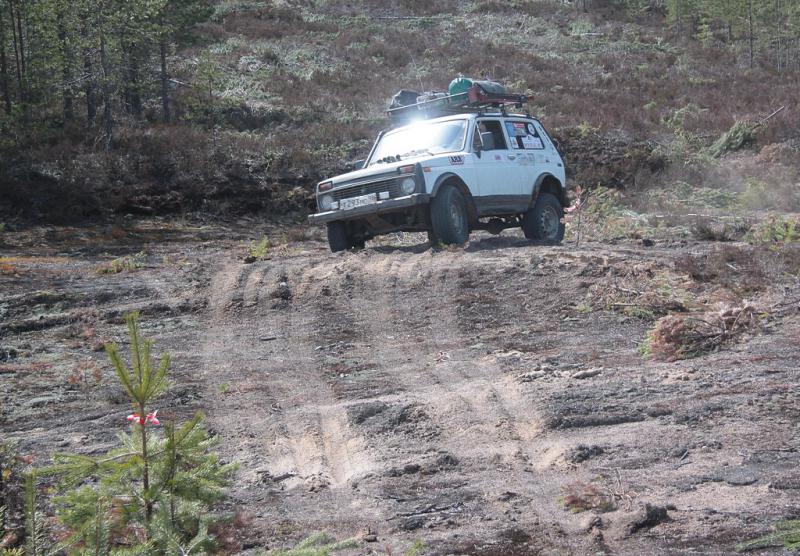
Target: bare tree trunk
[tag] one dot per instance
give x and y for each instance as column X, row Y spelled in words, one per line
column 108, row 116
column 750, row 29
column 4, row 67
column 21, row 91
column 66, row 73
column 88, row 70
column 135, row 92
column 164, row 80
column 19, row 54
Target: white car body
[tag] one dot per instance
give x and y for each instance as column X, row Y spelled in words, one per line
column 500, row 183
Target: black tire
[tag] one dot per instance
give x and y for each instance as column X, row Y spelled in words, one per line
column 432, row 239
column 449, row 217
column 545, row 221
column 339, row 238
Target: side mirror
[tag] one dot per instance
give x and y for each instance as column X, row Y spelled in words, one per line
column 358, row 164
column 487, row 139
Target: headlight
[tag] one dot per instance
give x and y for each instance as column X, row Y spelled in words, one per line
column 326, row 202
column 408, row 185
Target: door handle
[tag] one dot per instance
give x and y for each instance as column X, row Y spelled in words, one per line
column 512, row 157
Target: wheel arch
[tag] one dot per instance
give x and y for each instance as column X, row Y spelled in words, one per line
column 548, row 183
column 450, row 178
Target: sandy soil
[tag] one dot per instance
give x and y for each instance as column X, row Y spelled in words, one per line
column 458, row 396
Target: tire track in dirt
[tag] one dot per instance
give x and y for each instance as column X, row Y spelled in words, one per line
column 450, row 392
column 281, row 416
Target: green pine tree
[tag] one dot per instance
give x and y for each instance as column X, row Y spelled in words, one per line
column 154, row 492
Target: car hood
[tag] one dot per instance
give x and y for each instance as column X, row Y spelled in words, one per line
column 388, row 170
column 377, row 171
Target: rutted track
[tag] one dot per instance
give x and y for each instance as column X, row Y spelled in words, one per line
column 385, row 390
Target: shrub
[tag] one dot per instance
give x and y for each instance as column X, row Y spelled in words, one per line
column 786, row 534
column 581, row 497
column 126, row 263
column 742, row 268
column 737, row 137
column 12, row 495
column 685, row 336
column 707, row 230
column 258, row 251
column 776, row 230
column 320, row 544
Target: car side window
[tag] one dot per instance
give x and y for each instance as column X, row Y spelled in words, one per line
column 493, row 127
column 524, row 135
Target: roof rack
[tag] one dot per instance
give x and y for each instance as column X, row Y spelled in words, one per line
column 475, row 100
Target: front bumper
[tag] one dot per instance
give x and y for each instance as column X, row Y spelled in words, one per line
column 381, row 207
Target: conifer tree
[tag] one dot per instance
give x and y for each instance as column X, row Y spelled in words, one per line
column 153, row 493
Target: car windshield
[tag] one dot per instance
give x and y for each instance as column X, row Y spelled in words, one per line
column 421, row 139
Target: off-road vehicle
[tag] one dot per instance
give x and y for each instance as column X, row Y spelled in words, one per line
column 480, row 167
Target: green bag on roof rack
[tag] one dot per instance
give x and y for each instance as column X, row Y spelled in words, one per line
column 461, row 85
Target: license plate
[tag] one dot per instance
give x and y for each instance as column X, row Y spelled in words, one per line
column 354, row 202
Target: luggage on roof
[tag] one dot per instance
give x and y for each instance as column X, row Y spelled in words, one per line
column 463, row 95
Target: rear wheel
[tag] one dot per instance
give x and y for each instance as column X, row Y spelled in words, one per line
column 544, row 221
column 339, row 238
column 449, row 218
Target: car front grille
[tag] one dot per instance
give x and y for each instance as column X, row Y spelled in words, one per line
column 391, row 185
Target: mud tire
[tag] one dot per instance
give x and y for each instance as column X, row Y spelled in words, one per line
column 545, row 221
column 449, row 217
column 339, row 238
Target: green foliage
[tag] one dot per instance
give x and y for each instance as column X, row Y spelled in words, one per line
column 152, row 493
column 415, row 549
column 69, row 55
column 775, row 230
column 602, row 215
column 259, row 250
column 786, row 534
column 319, row 544
column 681, row 195
column 12, row 491
column 122, row 264
column 737, row 137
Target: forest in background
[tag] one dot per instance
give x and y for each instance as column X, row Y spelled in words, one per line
column 159, row 106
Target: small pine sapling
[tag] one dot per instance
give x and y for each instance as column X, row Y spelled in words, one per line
column 153, row 493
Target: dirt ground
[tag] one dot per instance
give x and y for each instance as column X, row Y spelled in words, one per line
column 468, row 397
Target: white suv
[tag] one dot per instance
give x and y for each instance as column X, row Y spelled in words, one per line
column 448, row 176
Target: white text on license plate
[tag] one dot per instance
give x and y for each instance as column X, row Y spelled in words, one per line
column 358, row 201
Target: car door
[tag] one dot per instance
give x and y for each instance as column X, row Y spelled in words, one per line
column 535, row 152
column 549, row 158
column 497, row 177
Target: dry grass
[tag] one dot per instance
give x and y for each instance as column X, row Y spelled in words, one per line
column 742, row 268
column 677, row 337
column 581, row 497
column 644, row 295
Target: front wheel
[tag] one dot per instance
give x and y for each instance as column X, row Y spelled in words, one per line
column 544, row 221
column 449, row 218
column 339, row 238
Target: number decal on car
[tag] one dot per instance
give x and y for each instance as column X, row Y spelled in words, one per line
column 455, row 160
